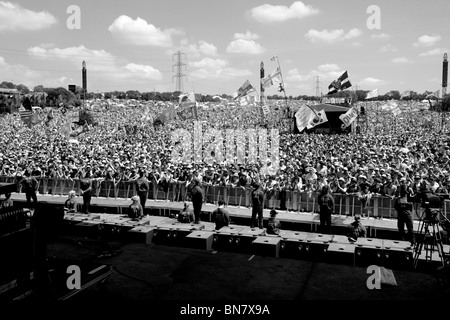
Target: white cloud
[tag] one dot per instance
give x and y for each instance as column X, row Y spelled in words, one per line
column 401, row 60
column 246, row 36
column 332, row 36
column 144, row 71
column 388, row 48
column 103, row 66
column 196, row 50
column 13, row 17
column 329, row 67
column 381, row 36
column 427, row 41
column 272, row 13
column 245, row 46
column 208, row 68
column 294, row 75
column 140, row 32
column 372, row 81
column 434, row 52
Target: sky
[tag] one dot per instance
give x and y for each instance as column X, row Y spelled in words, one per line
column 133, row 45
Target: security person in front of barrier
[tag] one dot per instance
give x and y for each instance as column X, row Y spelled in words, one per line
column 257, row 205
column 404, row 211
column 197, row 195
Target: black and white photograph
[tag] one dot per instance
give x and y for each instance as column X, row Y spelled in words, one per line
column 221, row 159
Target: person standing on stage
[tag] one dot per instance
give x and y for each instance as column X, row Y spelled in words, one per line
column 86, row 192
column 326, row 204
column 404, row 210
column 142, row 187
column 197, row 196
column 29, row 185
column 257, row 205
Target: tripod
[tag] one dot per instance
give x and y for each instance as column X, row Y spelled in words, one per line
column 431, row 240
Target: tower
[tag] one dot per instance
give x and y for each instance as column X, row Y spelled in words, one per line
column 84, row 76
column 444, row 75
column 317, row 86
column 261, row 75
column 179, row 74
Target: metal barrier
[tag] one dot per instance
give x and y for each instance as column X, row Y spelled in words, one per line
column 349, row 205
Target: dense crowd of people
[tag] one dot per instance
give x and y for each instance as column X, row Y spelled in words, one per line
column 124, row 142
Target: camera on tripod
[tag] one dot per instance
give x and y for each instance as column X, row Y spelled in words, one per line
column 432, row 205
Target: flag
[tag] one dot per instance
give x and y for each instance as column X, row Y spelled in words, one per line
column 435, row 94
column 348, row 117
column 372, row 94
column 25, row 116
column 49, row 117
column 26, row 103
column 304, row 117
column 268, row 81
column 265, row 109
column 244, row 90
column 389, row 106
column 339, row 84
column 405, row 94
column 189, row 111
column 186, row 97
column 36, row 118
column 273, row 58
column 66, row 129
column 321, row 117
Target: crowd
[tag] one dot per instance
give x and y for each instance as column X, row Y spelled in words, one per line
column 389, row 148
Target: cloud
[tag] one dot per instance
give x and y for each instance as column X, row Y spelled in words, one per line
column 100, row 64
column 388, row 48
column 427, row 41
column 13, row 17
column 328, row 67
column 434, row 52
column 267, row 13
column 294, row 75
column 372, row 81
column 332, row 36
column 401, row 60
column 381, row 36
column 144, row 71
column 326, row 73
column 208, row 68
column 141, row 33
column 247, row 36
column 245, row 46
column 196, row 50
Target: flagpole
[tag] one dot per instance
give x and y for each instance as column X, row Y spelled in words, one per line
column 282, row 81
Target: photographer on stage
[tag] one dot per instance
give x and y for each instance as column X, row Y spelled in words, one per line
column 404, row 211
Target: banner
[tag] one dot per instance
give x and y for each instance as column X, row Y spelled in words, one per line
column 348, row 117
column 270, row 80
column 372, row 94
column 188, row 111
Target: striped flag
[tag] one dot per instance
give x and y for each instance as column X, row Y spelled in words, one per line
column 25, row 116
column 340, row 84
column 244, row 90
column 435, row 94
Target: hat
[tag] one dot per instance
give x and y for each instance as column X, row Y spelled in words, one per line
column 341, row 179
column 363, row 177
column 134, row 198
column 273, row 213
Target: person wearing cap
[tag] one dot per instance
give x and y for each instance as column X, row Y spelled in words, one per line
column 135, row 210
column 356, row 229
column 70, row 205
column 186, row 215
column 8, row 202
column 273, row 224
column 221, row 216
column 326, row 208
column 257, row 205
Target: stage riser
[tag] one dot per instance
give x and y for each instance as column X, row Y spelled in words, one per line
column 339, row 253
column 267, row 246
column 200, row 240
column 141, row 235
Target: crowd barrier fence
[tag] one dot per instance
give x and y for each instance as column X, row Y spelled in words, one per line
column 345, row 204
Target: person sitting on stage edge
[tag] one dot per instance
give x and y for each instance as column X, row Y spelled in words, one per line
column 356, row 229
column 135, row 210
column 273, row 225
column 221, row 216
column 70, row 206
column 8, row 202
column 186, row 215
